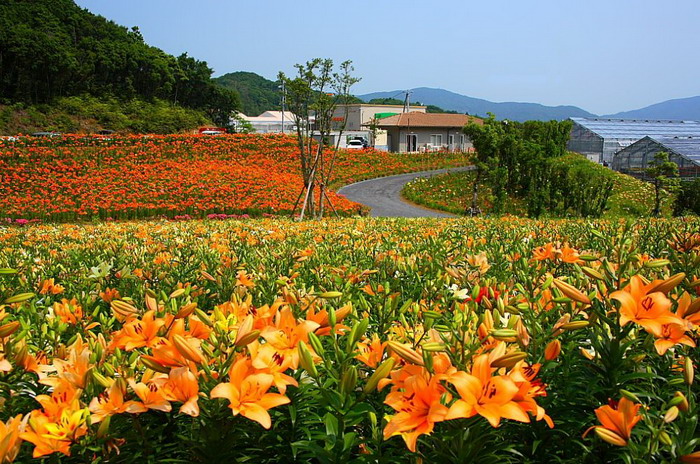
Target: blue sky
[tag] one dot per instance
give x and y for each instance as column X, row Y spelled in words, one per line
column 604, row 56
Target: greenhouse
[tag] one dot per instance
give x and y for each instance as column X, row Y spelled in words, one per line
column 599, row 139
column 684, row 151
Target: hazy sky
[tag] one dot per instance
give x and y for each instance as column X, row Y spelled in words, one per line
column 602, row 55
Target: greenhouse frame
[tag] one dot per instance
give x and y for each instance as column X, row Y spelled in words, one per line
column 599, row 139
column 684, row 151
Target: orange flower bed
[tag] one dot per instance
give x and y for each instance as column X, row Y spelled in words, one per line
column 79, row 177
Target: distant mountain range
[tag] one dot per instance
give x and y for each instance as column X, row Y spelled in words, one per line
column 687, row 109
column 259, row 94
column 683, row 108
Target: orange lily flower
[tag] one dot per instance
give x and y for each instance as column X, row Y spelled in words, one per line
column 671, row 335
column 49, row 287
column 419, row 407
column 10, row 440
column 481, row 393
column 55, row 436
column 248, row 393
column 68, row 311
column 286, row 333
column 182, row 386
column 371, row 351
column 72, row 370
column 650, row 310
column 138, row 333
column 569, row 255
column 617, row 421
column 267, row 360
column 544, row 252
column 151, row 394
column 112, row 402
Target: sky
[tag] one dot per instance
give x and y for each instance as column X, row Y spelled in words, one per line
column 604, row 56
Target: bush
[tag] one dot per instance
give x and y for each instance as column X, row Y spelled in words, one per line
column 688, row 199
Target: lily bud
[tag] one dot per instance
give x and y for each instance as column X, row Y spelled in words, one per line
column 630, row 396
column 665, row 438
column 123, row 309
column 668, row 284
column 688, row 371
column 551, row 352
column 592, row 273
column 683, row 403
column 186, row 350
column 154, row 366
column 575, row 325
column 380, row 373
column 504, row 334
column 572, row 292
column 406, row 353
column 8, row 329
column 610, row 436
column 176, row 293
column 244, row 329
column 349, row 380
column 306, row 360
column 186, row 310
column 509, row 360
column 671, row 414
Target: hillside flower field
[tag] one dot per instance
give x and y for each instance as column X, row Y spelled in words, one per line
column 128, row 177
column 354, row 340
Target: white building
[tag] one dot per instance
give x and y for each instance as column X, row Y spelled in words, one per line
column 270, row 122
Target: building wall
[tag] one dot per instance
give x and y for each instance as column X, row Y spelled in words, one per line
column 358, row 114
column 398, row 142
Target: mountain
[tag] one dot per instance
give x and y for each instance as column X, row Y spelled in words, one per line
column 257, row 94
column 479, row 107
column 686, row 109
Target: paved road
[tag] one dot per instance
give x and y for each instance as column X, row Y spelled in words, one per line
column 383, row 195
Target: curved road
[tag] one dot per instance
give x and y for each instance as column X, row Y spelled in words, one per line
column 383, row 195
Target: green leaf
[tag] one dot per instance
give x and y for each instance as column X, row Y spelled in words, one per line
column 331, row 424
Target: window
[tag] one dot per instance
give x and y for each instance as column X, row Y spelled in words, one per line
column 436, row 140
column 450, row 140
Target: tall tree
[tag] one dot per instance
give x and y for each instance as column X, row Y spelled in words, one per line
column 313, row 96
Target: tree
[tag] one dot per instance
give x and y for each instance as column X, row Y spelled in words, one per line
column 664, row 176
column 313, row 96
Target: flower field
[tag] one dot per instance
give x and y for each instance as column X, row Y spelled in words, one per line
column 351, row 340
column 78, row 178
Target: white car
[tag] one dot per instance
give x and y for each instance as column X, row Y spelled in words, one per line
column 355, row 145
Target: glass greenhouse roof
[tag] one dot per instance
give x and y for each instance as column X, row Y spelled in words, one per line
column 687, row 147
column 639, row 128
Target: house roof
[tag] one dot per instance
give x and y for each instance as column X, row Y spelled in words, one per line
column 416, row 119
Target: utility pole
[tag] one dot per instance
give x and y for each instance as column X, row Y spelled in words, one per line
column 407, row 101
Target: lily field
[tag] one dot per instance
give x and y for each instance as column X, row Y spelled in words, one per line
column 350, row 340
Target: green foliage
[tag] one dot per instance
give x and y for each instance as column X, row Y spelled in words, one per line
column 256, row 93
column 567, row 177
column 53, row 49
column 688, row 199
column 664, row 176
column 89, row 114
column 513, row 157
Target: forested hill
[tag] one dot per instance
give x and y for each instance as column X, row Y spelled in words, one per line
column 257, row 94
column 51, row 49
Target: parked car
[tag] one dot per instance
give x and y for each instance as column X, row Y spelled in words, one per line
column 355, row 145
column 364, row 141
